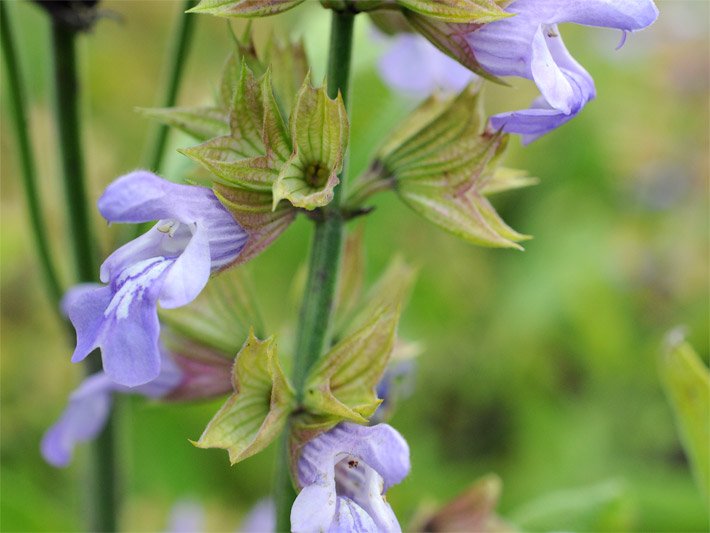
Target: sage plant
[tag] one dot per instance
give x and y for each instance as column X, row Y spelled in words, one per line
column 272, row 147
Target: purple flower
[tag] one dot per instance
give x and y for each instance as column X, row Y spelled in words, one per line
column 170, row 264
column 344, row 474
column 414, row 65
column 186, row 516
column 261, row 519
column 396, row 383
column 89, row 408
column 529, row 45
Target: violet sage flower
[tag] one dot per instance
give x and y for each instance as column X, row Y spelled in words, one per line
column 343, row 475
column 261, row 518
column 170, row 264
column 529, row 45
column 413, row 65
column 90, row 406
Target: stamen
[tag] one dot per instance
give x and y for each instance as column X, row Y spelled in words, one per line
column 169, row 227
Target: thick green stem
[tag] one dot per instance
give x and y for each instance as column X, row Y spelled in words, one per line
column 284, row 493
column 29, row 175
column 103, row 486
column 314, row 319
column 69, row 136
column 176, row 62
column 324, row 267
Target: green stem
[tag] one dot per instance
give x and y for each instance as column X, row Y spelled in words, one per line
column 176, row 61
column 29, row 175
column 103, row 488
column 284, row 492
column 314, row 319
column 72, row 161
column 324, row 266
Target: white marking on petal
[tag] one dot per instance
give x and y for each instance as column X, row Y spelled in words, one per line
column 132, row 284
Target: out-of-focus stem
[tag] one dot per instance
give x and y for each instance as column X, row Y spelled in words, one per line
column 29, row 175
column 324, row 266
column 66, row 90
column 176, row 62
column 177, row 57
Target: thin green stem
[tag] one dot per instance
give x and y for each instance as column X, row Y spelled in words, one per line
column 103, row 484
column 284, row 493
column 314, row 319
column 66, row 94
column 29, row 175
column 324, row 266
column 176, row 62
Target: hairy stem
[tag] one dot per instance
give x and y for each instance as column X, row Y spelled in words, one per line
column 103, row 484
column 324, row 266
column 29, row 175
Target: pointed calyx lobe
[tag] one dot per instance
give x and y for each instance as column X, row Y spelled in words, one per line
column 343, row 384
column 266, row 168
column 244, row 8
column 443, row 163
column 457, row 11
column 257, row 411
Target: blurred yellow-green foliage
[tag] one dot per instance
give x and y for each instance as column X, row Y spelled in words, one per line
column 540, row 366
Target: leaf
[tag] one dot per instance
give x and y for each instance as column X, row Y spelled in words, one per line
column 319, row 132
column 437, row 133
column 591, row 508
column 343, row 384
column 219, row 319
column 442, row 163
column 351, row 277
column 220, row 158
column 505, row 179
column 246, row 115
column 461, row 11
column 244, row 8
column 467, row 215
column 391, row 290
column 257, row 411
column 472, row 510
column 201, row 123
column 686, row 381
column 289, row 67
column 253, row 211
column 276, row 136
column 244, row 53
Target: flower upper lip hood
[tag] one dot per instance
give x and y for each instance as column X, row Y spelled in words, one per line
column 171, row 263
column 344, row 474
column 529, row 45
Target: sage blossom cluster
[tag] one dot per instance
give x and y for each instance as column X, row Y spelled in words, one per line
column 528, row 45
column 274, row 147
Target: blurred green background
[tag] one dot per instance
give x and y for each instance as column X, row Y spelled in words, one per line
column 540, row 366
